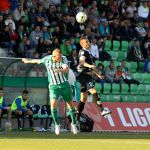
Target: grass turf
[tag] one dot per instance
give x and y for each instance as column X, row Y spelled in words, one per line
column 68, row 141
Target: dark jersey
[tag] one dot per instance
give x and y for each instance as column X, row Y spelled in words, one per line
column 88, row 59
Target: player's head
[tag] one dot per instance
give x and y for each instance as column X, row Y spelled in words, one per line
column 25, row 94
column 84, row 42
column 56, row 55
column 1, row 92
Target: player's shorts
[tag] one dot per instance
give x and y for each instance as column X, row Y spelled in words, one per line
column 86, row 82
column 63, row 90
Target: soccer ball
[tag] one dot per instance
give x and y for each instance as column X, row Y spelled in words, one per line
column 81, row 17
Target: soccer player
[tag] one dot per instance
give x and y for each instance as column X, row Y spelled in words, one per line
column 4, row 109
column 57, row 66
column 21, row 107
column 86, row 65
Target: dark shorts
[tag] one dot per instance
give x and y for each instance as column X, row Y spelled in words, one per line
column 4, row 111
column 86, row 82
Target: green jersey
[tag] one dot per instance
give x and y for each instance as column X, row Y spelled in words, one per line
column 54, row 78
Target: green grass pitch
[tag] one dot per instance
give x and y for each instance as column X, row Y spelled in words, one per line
column 68, row 141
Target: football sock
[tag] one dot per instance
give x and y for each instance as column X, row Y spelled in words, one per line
column 72, row 115
column 80, row 109
column 54, row 115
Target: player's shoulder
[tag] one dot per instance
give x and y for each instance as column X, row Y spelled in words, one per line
column 81, row 52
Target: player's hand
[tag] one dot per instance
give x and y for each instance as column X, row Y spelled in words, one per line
column 25, row 60
column 57, row 70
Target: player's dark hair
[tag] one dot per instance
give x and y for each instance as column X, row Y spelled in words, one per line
column 25, row 92
column 1, row 89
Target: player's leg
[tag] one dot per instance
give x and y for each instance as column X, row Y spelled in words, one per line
column 98, row 102
column 8, row 113
column 19, row 115
column 54, row 95
column 30, row 114
column 0, row 117
column 66, row 93
column 85, row 83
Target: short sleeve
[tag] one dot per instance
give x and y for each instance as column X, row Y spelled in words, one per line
column 64, row 60
column 45, row 59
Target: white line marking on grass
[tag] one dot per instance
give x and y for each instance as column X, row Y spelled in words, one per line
column 85, row 140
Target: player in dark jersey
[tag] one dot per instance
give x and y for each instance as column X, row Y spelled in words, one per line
column 85, row 68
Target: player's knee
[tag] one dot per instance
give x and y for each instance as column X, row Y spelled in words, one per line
column 92, row 91
column 19, row 112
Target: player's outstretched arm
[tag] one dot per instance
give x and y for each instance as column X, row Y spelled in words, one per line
column 32, row 61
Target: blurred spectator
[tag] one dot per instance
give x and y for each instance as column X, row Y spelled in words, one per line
column 143, row 11
column 18, row 13
column 74, row 61
column 66, row 48
column 132, row 8
column 94, row 49
column 126, row 75
column 35, row 35
column 110, row 74
column 2, row 23
column 9, row 20
column 146, row 46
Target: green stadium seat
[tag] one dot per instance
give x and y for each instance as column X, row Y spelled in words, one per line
column 124, row 46
column 107, row 88
column 116, row 88
column 132, row 66
column 116, row 63
column 147, row 98
column 110, row 98
column 147, row 88
column 122, row 55
column 140, row 98
column 139, row 77
column 108, row 45
column 141, row 67
column 97, row 62
column 124, row 89
column 106, row 63
column 146, row 78
column 116, row 45
column 98, row 87
column 142, row 89
column 114, row 55
column 134, row 89
column 128, row 98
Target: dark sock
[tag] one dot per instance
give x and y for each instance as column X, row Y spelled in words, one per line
column 98, row 101
column 19, row 117
column 80, row 109
column 31, row 121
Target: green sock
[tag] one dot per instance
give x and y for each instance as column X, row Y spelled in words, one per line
column 72, row 115
column 54, row 115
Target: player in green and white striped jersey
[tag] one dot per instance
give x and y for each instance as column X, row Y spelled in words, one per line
column 57, row 66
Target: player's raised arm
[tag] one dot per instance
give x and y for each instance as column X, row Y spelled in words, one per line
column 32, row 61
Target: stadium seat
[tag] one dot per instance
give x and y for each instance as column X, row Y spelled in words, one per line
column 122, row 56
column 139, row 77
column 107, row 88
column 140, row 98
column 116, row 45
column 142, row 89
column 146, row 78
column 106, row 63
column 147, row 98
column 124, row 46
column 132, row 66
column 147, row 88
column 128, row 98
column 141, row 67
column 116, row 88
column 98, row 87
column 134, row 89
column 97, row 62
column 116, row 63
column 110, row 98
column 108, row 45
column 124, row 89
column 114, row 55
